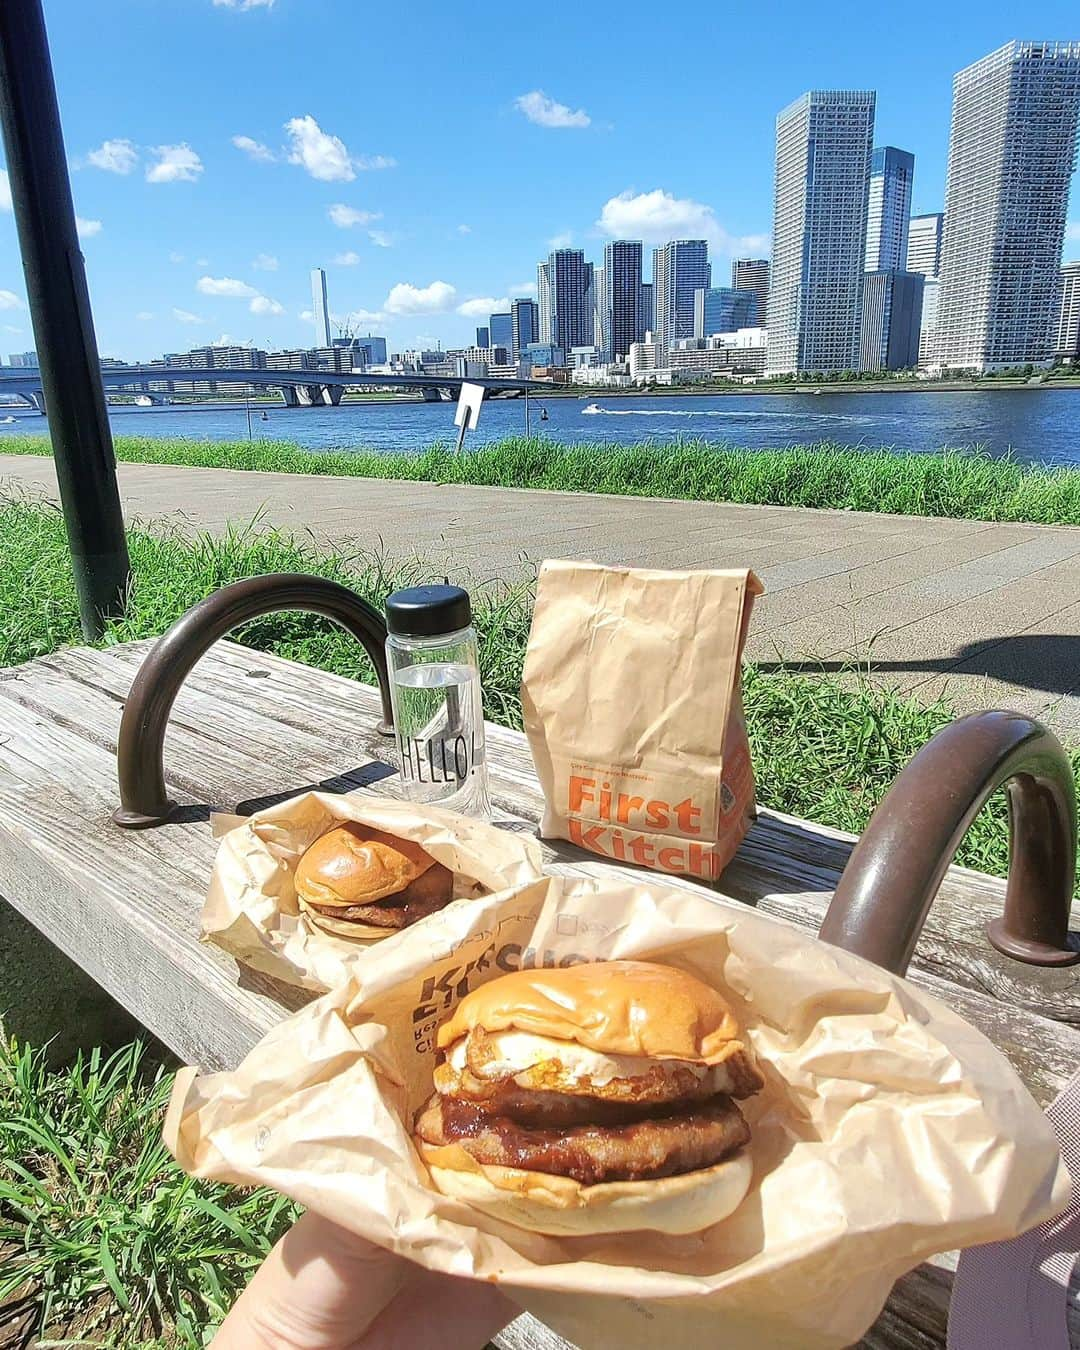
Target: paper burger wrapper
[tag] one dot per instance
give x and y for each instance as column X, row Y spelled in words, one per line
column 251, row 909
column 888, row 1128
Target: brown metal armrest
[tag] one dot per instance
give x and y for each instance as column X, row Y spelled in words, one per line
column 896, row 867
column 139, row 751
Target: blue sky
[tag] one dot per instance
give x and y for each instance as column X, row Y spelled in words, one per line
column 428, row 154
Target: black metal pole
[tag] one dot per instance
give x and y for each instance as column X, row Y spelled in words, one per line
column 60, row 310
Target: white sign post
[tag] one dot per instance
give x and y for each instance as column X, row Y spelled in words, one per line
column 468, row 410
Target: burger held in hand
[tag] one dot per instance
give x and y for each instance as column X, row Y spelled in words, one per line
column 360, row 882
column 597, row 1098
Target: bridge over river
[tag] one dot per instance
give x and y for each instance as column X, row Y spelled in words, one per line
column 305, row 388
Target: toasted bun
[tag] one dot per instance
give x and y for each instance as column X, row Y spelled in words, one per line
column 614, row 1007
column 562, row 1207
column 355, row 865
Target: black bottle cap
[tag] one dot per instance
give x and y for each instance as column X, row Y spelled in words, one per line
column 428, row 611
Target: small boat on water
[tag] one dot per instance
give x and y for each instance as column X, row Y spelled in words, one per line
column 144, row 401
column 593, row 408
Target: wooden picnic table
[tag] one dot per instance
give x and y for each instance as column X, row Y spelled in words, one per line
column 250, row 728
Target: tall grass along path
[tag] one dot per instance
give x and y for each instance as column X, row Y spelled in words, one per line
column 964, row 484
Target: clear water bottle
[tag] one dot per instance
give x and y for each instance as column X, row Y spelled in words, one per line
column 435, row 689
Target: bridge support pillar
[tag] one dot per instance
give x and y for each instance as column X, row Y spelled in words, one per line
column 37, row 398
column 431, row 395
column 288, row 395
column 331, row 394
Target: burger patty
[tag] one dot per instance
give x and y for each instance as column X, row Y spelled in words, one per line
column 642, row 1150
column 428, row 893
column 546, row 1109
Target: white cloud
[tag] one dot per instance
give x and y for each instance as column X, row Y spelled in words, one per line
column 243, row 4
column 5, row 191
column 406, row 299
column 175, row 257
column 186, row 316
column 202, row 262
column 86, row 229
column 12, row 328
column 345, row 216
column 144, row 316
column 265, row 262
column 464, row 229
column 175, row 164
column 116, row 156
column 523, row 288
column 262, row 304
column 1072, row 230
column 381, row 239
column 657, row 216
column 348, row 259
column 255, row 150
column 9, row 300
column 306, row 315
column 563, row 240
column 229, row 286
column 545, row 112
column 367, row 316
column 483, row 304
column 322, row 155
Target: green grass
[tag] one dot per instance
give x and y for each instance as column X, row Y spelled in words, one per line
column 965, row 484
column 104, row 1241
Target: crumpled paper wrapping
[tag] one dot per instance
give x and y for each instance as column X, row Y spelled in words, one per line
column 251, row 910
column 888, row 1128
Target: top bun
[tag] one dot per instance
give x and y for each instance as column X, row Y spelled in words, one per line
column 614, row 1007
column 354, row 864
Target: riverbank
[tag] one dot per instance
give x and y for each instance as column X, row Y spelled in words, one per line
column 886, row 386
column 960, row 484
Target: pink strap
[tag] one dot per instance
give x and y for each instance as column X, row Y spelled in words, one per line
column 1013, row 1295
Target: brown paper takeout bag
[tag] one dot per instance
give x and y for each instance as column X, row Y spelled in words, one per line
column 251, row 910
column 888, row 1128
column 633, row 708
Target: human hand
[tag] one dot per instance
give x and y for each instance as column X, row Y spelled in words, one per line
column 324, row 1288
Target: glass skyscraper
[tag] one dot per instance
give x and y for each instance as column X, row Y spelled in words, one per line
column 924, row 244
column 679, row 269
column 483, row 337
column 648, row 311
column 888, row 213
column 891, row 315
column 524, row 325
column 501, row 331
column 752, row 274
column 622, row 296
column 823, row 146
column 722, row 309
column 565, row 286
column 1012, row 151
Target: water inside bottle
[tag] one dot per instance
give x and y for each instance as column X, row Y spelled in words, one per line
column 440, row 733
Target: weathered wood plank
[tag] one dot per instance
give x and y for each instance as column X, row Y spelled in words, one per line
column 124, row 904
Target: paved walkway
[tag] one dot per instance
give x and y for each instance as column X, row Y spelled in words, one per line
column 990, row 611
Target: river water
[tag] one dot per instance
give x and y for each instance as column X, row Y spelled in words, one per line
column 1038, row 425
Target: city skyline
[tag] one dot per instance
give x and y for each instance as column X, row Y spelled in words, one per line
column 213, row 171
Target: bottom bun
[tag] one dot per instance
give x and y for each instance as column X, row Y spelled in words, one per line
column 562, row 1207
column 347, row 928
